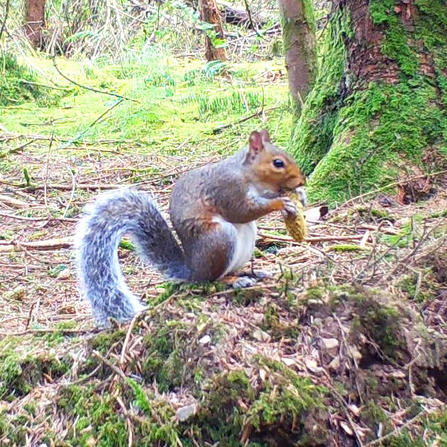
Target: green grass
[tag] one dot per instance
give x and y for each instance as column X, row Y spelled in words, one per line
column 175, row 102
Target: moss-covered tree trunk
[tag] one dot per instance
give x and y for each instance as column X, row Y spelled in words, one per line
column 378, row 110
column 34, row 21
column 209, row 12
column 298, row 26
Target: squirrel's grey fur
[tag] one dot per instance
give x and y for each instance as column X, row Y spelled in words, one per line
column 213, row 211
column 98, row 235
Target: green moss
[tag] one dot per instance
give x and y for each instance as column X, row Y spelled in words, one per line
column 346, row 247
column 395, row 43
column 164, row 359
column 19, row 373
column 104, row 341
column 377, row 128
column 373, row 132
column 373, row 213
column 19, row 84
column 12, row 429
column 313, row 133
column 277, row 328
column 285, row 400
column 98, row 413
column 438, row 215
column 379, row 322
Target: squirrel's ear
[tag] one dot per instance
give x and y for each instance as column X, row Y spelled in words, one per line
column 256, row 143
column 265, row 136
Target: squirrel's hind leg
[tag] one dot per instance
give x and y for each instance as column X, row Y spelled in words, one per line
column 209, row 255
column 223, row 249
column 244, row 247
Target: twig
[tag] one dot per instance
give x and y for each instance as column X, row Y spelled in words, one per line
column 48, row 244
column 73, row 189
column 51, row 331
column 390, row 185
column 250, row 19
column 61, row 187
column 38, row 84
column 13, row 202
column 16, row 149
column 103, row 114
column 103, row 92
column 113, row 367
column 356, row 237
column 397, row 430
column 249, row 117
column 126, row 340
column 38, row 219
column 345, row 405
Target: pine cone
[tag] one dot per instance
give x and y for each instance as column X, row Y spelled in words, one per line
column 296, row 225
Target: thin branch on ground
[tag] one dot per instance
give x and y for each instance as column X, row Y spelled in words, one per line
column 92, row 89
column 390, row 185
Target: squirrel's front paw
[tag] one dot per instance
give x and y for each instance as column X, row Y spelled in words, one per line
column 289, row 207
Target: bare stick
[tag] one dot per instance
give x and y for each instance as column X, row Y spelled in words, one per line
column 103, row 92
column 396, row 431
column 16, row 149
column 390, row 185
column 48, row 244
column 126, row 340
column 91, row 186
column 249, row 117
column 114, row 368
column 356, row 237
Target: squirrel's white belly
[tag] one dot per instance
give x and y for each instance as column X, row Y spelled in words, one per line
column 244, row 247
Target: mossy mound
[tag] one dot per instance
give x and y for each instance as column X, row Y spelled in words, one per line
column 195, row 371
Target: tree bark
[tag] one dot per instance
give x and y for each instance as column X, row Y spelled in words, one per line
column 299, row 46
column 377, row 112
column 35, row 21
column 209, row 12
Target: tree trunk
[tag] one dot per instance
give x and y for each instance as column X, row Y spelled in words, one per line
column 378, row 108
column 298, row 25
column 34, row 21
column 209, row 12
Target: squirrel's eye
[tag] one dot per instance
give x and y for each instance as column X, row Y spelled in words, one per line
column 278, row 163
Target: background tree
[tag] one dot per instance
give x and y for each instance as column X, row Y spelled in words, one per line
column 209, row 12
column 378, row 108
column 35, row 21
column 298, row 25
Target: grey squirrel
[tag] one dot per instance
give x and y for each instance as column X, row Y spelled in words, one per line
column 213, row 210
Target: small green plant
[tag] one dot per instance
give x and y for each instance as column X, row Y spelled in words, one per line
column 19, row 84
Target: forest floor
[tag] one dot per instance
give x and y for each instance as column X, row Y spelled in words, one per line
column 346, row 345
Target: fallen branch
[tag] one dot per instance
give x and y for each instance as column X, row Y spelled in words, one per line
column 390, row 185
column 13, row 202
column 48, row 244
column 16, row 149
column 63, row 187
column 52, row 331
column 38, row 84
column 397, row 430
column 249, row 117
column 103, row 92
column 356, row 237
column 38, row 219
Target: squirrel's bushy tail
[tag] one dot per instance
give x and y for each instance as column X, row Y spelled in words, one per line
column 97, row 238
